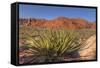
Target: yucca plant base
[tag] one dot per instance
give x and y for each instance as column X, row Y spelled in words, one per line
column 50, row 45
column 43, row 59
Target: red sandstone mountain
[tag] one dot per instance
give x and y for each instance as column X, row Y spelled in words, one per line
column 67, row 23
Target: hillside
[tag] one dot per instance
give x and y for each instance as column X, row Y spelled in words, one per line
column 68, row 23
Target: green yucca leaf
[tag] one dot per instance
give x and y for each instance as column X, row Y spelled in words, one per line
column 52, row 43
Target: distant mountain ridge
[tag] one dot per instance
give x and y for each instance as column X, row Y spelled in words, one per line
column 68, row 23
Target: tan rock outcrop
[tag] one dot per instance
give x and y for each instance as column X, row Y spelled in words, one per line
column 89, row 51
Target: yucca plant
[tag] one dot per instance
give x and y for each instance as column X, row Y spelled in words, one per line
column 51, row 45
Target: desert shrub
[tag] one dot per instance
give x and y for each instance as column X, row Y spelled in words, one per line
column 51, row 45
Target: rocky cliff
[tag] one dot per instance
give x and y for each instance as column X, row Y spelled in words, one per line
column 68, row 23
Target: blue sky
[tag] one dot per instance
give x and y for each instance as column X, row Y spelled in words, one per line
column 49, row 12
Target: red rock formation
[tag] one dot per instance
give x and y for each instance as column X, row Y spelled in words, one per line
column 67, row 23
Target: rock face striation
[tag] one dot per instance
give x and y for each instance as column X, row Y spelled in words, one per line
column 89, row 51
column 68, row 23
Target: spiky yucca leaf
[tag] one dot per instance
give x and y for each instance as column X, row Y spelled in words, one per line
column 53, row 43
